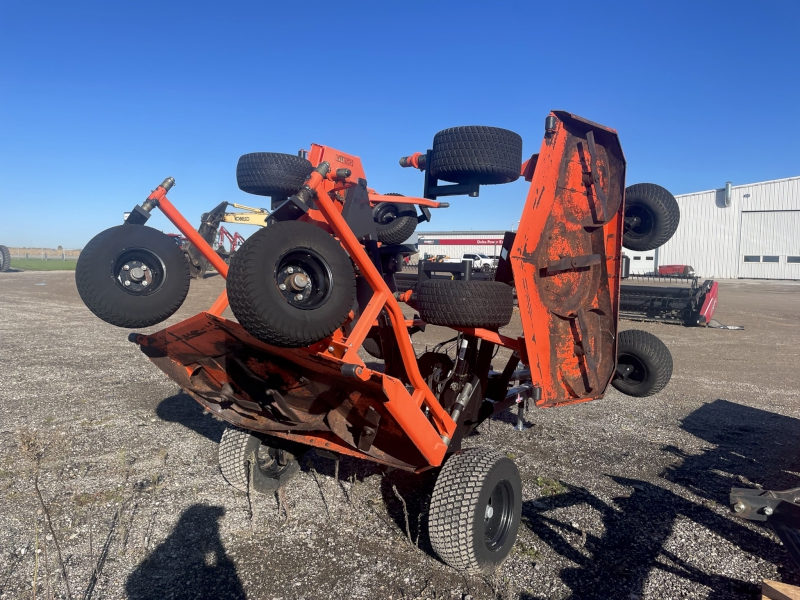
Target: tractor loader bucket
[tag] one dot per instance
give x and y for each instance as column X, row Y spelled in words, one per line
column 566, row 259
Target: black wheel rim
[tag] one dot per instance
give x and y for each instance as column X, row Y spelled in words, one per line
column 639, row 221
column 303, row 278
column 139, row 271
column 385, row 213
column 636, row 371
column 498, row 515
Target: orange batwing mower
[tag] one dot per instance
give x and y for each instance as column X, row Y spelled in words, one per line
column 316, row 285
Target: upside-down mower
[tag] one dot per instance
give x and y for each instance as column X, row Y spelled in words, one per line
column 310, row 288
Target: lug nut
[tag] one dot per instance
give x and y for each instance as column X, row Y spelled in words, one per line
column 126, row 268
column 739, row 507
column 298, row 297
column 144, row 283
column 127, row 283
column 144, row 267
column 282, row 286
column 290, row 270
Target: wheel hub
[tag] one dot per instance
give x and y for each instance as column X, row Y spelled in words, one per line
column 136, row 276
column 639, row 221
column 632, row 370
column 498, row 516
column 304, row 279
column 386, row 214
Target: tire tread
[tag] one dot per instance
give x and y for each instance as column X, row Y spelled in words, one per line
column 658, row 354
column 232, row 456
column 5, row 259
column 668, row 212
column 271, row 173
column 489, row 155
column 455, row 498
column 456, row 303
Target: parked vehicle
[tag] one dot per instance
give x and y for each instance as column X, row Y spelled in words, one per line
column 480, row 262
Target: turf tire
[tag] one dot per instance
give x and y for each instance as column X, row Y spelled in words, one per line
column 395, row 222
column 372, row 343
column 659, row 216
column 459, row 531
column 264, row 310
column 98, row 276
column 457, row 303
column 272, row 173
column 237, row 450
column 651, row 360
column 486, row 155
column 5, row 259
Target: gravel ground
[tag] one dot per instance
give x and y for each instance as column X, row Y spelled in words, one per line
column 623, row 498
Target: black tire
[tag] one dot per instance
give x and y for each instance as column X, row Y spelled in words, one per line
column 647, row 362
column 652, row 216
column 395, row 222
column 486, row 155
column 272, row 173
column 276, row 316
column 101, row 273
column 238, row 450
column 464, row 532
column 456, row 303
column 5, row 259
column 372, row 343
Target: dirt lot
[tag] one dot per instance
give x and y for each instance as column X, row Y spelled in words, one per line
column 623, row 498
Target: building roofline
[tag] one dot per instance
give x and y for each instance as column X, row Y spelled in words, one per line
column 735, row 187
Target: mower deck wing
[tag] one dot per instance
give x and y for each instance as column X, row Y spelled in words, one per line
column 566, row 260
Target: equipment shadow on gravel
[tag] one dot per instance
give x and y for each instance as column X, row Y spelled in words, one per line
column 182, row 408
column 750, row 446
column 190, row 563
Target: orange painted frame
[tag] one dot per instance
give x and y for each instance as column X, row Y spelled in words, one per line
column 431, row 439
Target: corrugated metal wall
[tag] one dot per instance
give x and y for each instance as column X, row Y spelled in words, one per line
column 710, row 235
column 769, row 238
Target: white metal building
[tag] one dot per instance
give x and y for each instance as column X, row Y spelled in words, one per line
column 747, row 231
column 754, row 234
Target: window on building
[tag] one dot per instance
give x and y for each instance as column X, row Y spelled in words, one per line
column 793, row 259
column 770, row 259
column 752, row 259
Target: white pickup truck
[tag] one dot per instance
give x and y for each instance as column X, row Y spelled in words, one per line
column 480, row 262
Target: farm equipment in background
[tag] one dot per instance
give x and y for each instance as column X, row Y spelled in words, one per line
column 668, row 298
column 211, row 231
column 676, row 271
column 317, row 282
column 234, row 241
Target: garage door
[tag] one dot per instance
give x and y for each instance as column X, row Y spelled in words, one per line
column 770, row 245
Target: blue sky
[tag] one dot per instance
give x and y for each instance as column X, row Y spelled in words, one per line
column 99, row 101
